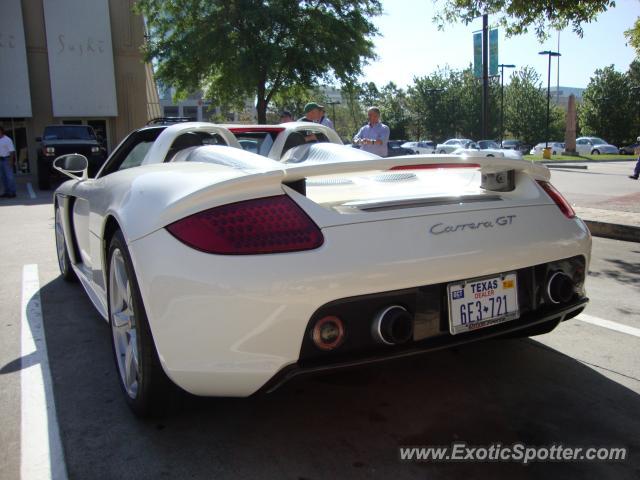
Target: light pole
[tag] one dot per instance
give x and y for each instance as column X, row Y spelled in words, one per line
column 502, row 67
column 550, row 54
column 333, row 110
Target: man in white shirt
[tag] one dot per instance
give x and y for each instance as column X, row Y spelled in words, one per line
column 7, row 155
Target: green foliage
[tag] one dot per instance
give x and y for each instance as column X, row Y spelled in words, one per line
column 526, row 109
column 633, row 36
column 232, row 49
column 448, row 103
column 517, row 16
column 609, row 107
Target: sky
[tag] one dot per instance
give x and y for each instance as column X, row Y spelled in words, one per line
column 411, row 45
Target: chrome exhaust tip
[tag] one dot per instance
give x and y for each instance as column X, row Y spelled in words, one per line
column 560, row 288
column 392, row 325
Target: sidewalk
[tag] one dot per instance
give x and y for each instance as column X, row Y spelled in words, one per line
column 611, row 223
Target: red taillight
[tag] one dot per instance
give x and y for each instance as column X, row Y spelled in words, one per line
column 429, row 166
column 264, row 225
column 556, row 196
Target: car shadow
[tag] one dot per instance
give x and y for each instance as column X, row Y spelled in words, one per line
column 348, row 424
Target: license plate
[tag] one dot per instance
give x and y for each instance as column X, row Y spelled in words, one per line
column 482, row 302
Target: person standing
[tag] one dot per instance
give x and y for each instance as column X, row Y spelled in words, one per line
column 286, row 117
column 312, row 113
column 324, row 120
column 636, row 171
column 7, row 155
column 374, row 136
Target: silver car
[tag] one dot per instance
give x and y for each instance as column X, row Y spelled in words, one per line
column 594, row 146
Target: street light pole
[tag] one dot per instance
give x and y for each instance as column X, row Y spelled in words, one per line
column 502, row 67
column 333, row 110
column 550, row 54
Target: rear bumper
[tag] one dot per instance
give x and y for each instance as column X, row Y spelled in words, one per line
column 225, row 325
column 551, row 317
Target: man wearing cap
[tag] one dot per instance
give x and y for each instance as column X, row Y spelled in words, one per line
column 312, row 113
column 374, row 136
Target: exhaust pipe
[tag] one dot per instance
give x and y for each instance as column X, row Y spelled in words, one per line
column 560, row 288
column 392, row 326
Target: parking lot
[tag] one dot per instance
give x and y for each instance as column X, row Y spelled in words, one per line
column 577, row 386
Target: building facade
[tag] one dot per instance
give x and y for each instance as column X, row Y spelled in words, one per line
column 72, row 62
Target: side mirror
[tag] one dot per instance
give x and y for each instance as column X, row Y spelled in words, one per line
column 73, row 165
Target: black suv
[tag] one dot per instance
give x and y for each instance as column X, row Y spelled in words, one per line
column 62, row 139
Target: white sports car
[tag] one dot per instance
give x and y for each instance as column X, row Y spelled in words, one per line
column 225, row 273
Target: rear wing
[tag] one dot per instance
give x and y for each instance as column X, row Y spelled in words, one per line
column 498, row 173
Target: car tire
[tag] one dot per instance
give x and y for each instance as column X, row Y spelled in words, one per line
column 147, row 389
column 44, row 182
column 442, row 151
column 66, row 271
column 595, row 152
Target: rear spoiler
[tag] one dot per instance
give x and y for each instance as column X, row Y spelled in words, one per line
column 498, row 173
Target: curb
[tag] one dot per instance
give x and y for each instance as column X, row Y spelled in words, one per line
column 567, row 166
column 626, row 233
column 583, row 160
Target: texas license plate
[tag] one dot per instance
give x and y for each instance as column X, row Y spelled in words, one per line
column 482, row 302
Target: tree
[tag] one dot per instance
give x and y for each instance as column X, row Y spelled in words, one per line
column 526, row 109
column 633, row 36
column 517, row 16
column 233, row 49
column 447, row 104
column 606, row 107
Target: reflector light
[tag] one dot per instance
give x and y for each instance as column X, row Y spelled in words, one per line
column 556, row 196
column 260, row 226
column 429, row 166
column 328, row 333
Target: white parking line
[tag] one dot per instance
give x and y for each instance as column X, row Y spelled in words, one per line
column 601, row 322
column 41, row 455
column 32, row 194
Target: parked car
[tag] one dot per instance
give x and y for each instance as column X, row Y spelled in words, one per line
column 630, row 149
column 516, row 145
column 594, row 146
column 59, row 140
column 453, row 144
column 225, row 273
column 421, row 147
column 487, row 148
column 396, row 149
column 556, row 148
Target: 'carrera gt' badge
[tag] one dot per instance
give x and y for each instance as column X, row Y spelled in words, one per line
column 503, row 221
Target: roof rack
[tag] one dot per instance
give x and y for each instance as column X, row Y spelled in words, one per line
column 169, row 120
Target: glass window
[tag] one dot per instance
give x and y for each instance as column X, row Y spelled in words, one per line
column 190, row 112
column 136, row 155
column 171, row 111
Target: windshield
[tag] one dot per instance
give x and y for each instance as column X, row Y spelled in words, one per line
column 69, row 132
column 256, row 142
